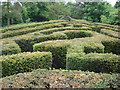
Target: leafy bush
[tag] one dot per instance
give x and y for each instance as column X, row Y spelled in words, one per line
column 58, row 49
column 25, row 62
column 112, row 46
column 77, row 34
column 8, row 47
column 94, row 62
column 93, row 47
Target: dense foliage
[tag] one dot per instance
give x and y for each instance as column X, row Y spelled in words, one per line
column 43, row 11
column 24, row 62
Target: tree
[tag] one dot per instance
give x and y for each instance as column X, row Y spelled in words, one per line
column 56, row 10
column 11, row 12
column 117, row 5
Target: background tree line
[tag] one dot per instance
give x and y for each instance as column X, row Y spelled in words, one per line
column 25, row 12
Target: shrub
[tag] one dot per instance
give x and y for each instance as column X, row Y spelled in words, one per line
column 93, row 47
column 25, row 62
column 112, row 46
column 58, row 49
column 9, row 47
column 94, row 62
column 77, row 34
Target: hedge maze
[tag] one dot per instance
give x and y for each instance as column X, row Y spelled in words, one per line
column 60, row 44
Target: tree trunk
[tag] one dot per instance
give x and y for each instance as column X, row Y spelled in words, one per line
column 8, row 18
column 8, row 21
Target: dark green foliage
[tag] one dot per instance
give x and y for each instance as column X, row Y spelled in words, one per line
column 8, row 47
column 58, row 49
column 112, row 46
column 93, row 47
column 25, row 62
column 94, row 62
column 77, row 34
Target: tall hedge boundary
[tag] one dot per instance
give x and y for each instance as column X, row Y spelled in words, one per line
column 25, row 62
column 58, row 49
column 94, row 62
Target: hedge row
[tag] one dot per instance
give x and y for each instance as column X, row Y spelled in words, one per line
column 112, row 46
column 94, row 62
column 28, row 30
column 58, row 49
column 77, row 34
column 110, row 33
column 49, row 31
column 90, row 47
column 25, row 62
column 96, row 28
column 28, row 25
column 70, row 79
column 9, row 47
column 26, row 42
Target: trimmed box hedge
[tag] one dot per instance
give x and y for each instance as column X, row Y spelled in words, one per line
column 58, row 49
column 71, row 34
column 8, row 47
column 28, row 30
column 25, row 62
column 112, row 46
column 28, row 25
column 26, row 42
column 90, row 47
column 94, row 62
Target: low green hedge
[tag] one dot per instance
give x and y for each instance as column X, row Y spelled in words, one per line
column 58, row 49
column 28, row 30
column 26, row 42
column 77, row 34
column 93, row 47
column 8, row 47
column 57, row 36
column 25, row 62
column 77, row 25
column 29, row 25
column 96, row 28
column 112, row 46
column 94, row 62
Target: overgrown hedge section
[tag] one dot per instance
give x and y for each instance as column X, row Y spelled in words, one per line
column 58, row 49
column 24, row 62
column 8, row 47
column 112, row 46
column 71, row 79
column 94, row 62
